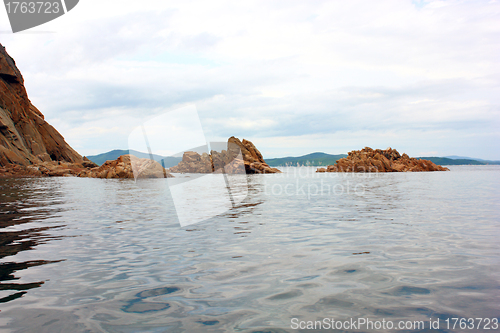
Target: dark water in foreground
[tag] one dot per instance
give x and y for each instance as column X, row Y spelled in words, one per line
column 91, row 255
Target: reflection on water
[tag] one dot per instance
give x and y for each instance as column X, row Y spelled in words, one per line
column 22, row 204
column 394, row 246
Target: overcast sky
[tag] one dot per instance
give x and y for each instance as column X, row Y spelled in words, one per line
column 294, row 77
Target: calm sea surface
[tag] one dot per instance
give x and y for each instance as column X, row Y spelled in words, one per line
column 92, row 255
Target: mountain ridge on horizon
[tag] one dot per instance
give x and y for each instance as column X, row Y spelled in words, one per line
column 166, row 161
column 311, row 159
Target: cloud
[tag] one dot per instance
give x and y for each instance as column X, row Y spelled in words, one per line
column 389, row 72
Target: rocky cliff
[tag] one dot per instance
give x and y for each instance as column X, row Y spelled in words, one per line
column 250, row 161
column 377, row 160
column 30, row 147
column 25, row 137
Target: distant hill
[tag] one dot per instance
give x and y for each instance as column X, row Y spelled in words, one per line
column 114, row 154
column 455, row 157
column 452, row 161
column 322, row 159
column 314, row 159
column 170, row 161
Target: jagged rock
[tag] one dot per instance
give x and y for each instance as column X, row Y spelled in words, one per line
column 192, row 162
column 254, row 162
column 124, row 167
column 88, row 163
column 41, row 169
column 226, row 160
column 388, row 160
column 229, row 161
column 25, row 137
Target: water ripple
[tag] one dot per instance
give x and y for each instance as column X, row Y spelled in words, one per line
column 87, row 255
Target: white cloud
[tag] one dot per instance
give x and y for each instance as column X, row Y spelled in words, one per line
column 273, row 70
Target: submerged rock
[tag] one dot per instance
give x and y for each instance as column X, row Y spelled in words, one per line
column 377, row 160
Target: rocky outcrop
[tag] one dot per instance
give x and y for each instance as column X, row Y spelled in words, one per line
column 124, row 167
column 25, row 137
column 41, row 169
column 192, row 162
column 254, row 162
column 217, row 162
column 377, row 160
column 88, row 163
column 239, row 157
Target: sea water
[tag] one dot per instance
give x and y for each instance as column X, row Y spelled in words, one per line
column 301, row 249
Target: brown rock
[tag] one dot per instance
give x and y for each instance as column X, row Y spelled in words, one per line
column 124, row 167
column 226, row 160
column 88, row 163
column 252, row 158
column 388, row 160
column 15, row 170
column 25, row 137
column 42, row 169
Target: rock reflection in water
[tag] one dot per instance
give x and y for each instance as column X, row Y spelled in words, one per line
column 18, row 208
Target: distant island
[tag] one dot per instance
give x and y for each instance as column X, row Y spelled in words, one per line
column 458, row 161
column 378, row 160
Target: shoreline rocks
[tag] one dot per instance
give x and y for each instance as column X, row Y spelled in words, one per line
column 377, row 160
column 122, row 167
column 42, row 169
column 125, row 166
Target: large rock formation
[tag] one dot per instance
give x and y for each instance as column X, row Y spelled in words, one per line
column 239, row 157
column 25, row 137
column 377, row 160
column 192, row 162
column 124, row 167
column 30, row 147
column 254, row 162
